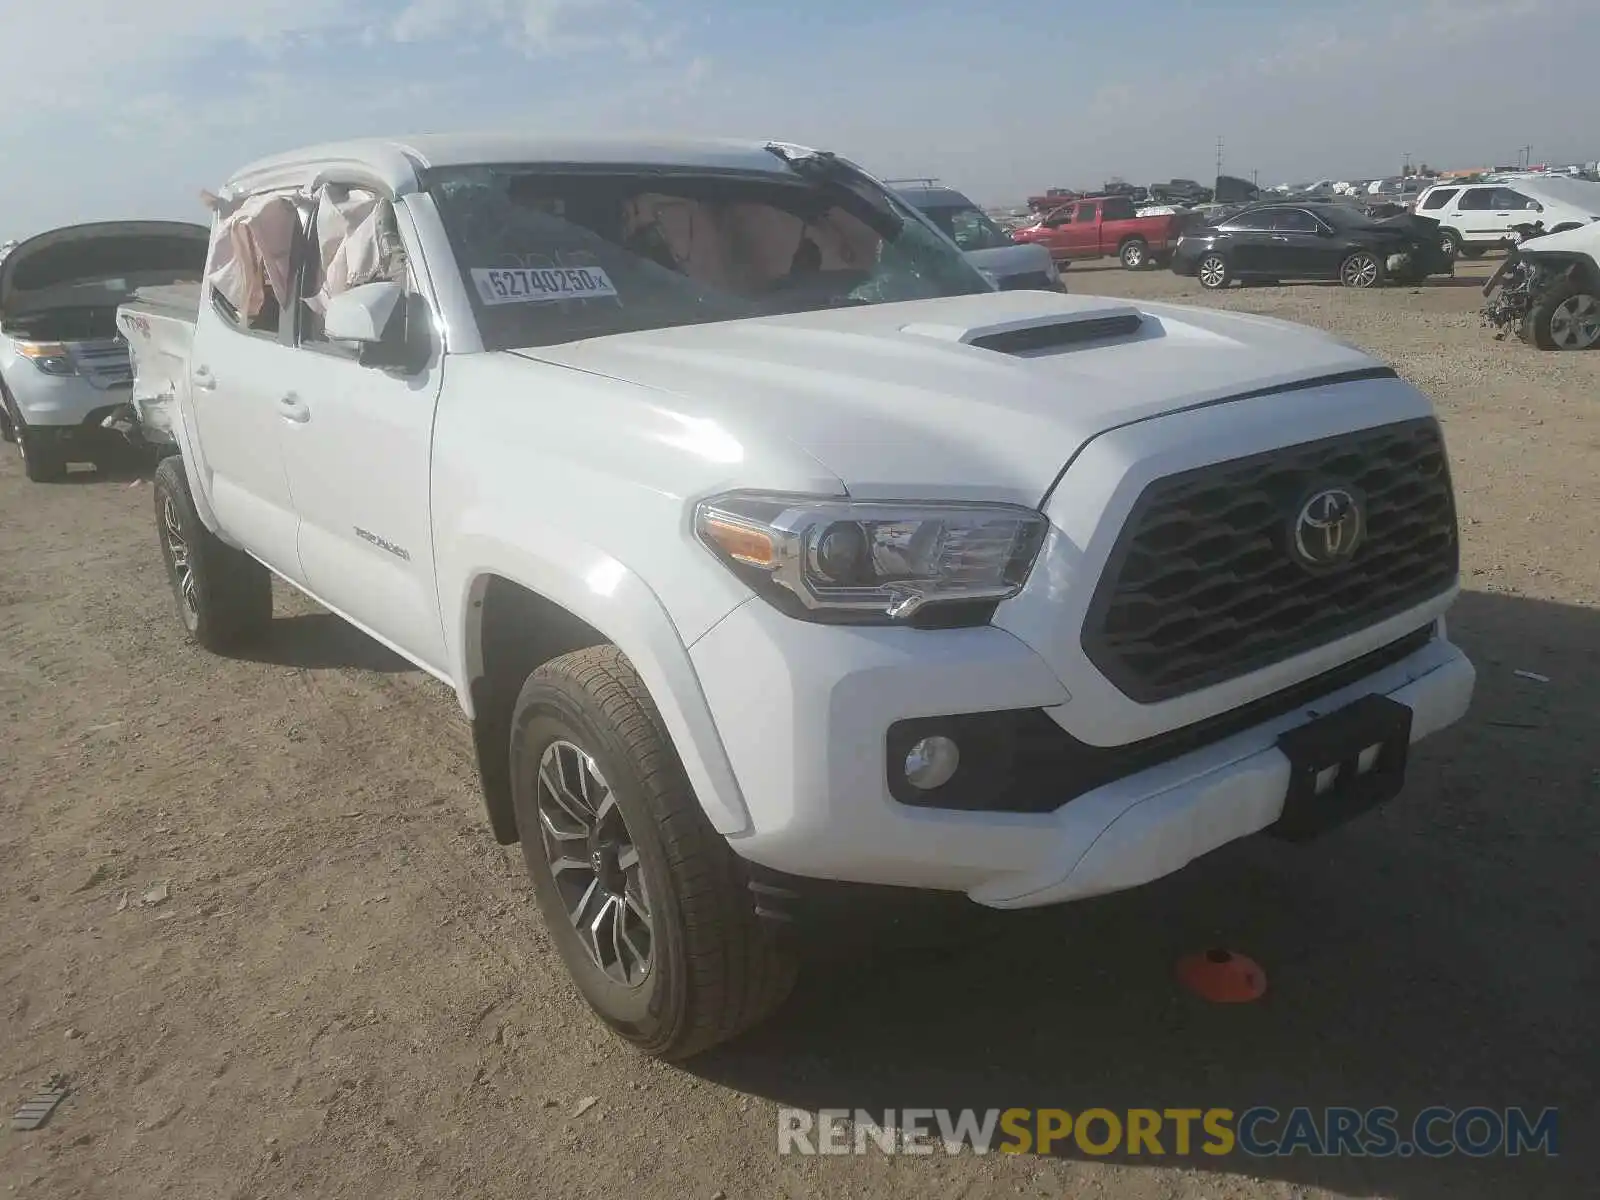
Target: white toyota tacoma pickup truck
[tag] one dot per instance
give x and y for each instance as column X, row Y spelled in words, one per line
column 765, row 544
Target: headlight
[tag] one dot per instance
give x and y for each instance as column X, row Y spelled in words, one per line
column 50, row 357
column 824, row 559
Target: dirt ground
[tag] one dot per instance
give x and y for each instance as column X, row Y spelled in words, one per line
column 347, row 992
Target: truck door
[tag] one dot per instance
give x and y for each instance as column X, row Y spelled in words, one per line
column 1083, row 234
column 1110, row 234
column 233, row 365
column 357, row 443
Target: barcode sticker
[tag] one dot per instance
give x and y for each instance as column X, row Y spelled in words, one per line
column 540, row 285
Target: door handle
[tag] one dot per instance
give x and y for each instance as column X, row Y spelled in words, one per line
column 204, row 380
column 1280, row 237
column 292, row 408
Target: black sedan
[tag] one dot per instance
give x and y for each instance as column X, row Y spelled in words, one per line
column 1309, row 241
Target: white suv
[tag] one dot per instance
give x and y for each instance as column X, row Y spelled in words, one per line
column 1477, row 217
column 768, row 546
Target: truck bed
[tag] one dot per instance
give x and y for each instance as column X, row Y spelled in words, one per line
column 181, row 300
column 159, row 325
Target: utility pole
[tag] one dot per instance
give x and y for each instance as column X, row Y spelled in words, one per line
column 1527, row 156
column 1218, row 180
column 1406, row 170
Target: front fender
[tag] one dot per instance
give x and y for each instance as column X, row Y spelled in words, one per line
column 600, row 590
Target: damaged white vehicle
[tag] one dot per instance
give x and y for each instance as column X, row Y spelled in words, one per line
column 770, row 550
column 64, row 369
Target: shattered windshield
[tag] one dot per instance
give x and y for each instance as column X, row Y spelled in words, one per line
column 552, row 256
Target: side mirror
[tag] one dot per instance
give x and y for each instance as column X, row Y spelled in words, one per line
column 385, row 322
column 363, row 313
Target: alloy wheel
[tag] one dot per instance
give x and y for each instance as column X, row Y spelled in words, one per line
column 595, row 863
column 1360, row 270
column 1213, row 271
column 182, row 564
column 1133, row 256
column 1575, row 322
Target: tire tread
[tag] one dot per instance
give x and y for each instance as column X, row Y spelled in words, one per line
column 236, row 590
column 738, row 974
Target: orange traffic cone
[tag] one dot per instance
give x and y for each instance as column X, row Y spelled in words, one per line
column 1222, row 977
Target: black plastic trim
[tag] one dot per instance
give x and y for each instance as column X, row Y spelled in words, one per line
column 1044, row 767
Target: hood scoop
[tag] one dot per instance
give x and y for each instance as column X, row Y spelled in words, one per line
column 1041, row 332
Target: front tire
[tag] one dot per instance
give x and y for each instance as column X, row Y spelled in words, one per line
column 1361, row 270
column 646, row 903
column 1213, row 272
column 1135, row 254
column 1450, row 242
column 224, row 596
column 41, row 463
column 1564, row 317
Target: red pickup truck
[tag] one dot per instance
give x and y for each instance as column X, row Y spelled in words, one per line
column 1105, row 226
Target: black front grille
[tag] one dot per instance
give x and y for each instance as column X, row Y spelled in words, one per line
column 1201, row 586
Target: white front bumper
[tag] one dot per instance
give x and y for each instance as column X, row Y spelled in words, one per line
column 55, row 400
column 803, row 711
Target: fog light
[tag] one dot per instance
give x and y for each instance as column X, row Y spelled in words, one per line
column 932, row 762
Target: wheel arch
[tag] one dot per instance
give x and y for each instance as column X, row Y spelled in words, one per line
column 523, row 609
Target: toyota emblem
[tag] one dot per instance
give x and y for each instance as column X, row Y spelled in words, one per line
column 1328, row 529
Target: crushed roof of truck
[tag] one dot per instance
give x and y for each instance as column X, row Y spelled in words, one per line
column 395, row 163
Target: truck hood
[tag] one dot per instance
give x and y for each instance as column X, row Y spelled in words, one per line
column 1018, row 259
column 983, row 396
column 85, row 266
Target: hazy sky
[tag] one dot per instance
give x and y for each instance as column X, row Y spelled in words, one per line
column 128, row 109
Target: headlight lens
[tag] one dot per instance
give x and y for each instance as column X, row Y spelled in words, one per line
column 50, row 357
column 870, row 561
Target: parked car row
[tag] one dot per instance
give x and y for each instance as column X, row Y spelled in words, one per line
column 775, row 553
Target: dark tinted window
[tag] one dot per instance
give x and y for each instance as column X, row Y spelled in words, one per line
column 1439, row 198
column 969, row 227
column 1085, row 213
column 1477, row 199
column 1294, row 220
column 1117, row 210
column 1511, row 198
column 1256, row 220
